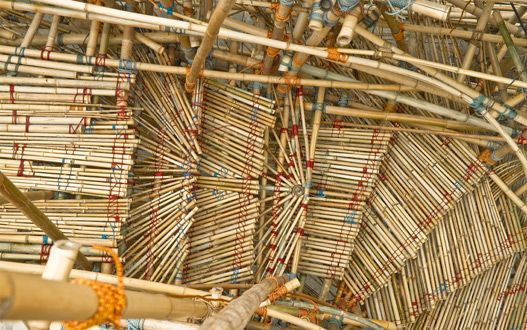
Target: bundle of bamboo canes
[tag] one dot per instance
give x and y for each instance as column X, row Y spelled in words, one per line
column 419, row 181
column 206, row 179
column 346, row 165
column 493, row 300
column 83, row 220
column 468, row 241
column 164, row 177
column 232, row 141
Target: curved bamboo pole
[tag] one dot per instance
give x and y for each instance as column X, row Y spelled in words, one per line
column 219, row 14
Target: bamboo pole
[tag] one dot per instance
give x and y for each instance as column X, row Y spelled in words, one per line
column 220, row 12
column 61, row 260
column 237, row 313
column 34, row 298
column 32, row 196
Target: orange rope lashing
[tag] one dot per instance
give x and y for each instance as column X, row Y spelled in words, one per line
column 336, row 56
column 111, row 300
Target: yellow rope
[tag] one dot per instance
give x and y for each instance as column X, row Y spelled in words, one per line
column 111, row 300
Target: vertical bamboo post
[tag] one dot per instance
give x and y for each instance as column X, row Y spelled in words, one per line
column 480, row 28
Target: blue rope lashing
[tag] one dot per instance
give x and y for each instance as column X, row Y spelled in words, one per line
column 327, row 21
column 133, row 325
column 347, row 5
column 509, row 113
column 316, row 12
column 343, row 100
column 401, row 6
column 287, row 3
column 478, row 106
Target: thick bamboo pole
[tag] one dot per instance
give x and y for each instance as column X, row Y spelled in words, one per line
column 30, row 298
column 32, row 196
column 60, row 263
column 19, row 200
column 237, row 313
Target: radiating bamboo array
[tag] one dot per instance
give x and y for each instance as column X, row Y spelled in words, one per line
column 164, row 178
column 469, row 240
column 232, row 143
column 420, row 180
column 346, row 164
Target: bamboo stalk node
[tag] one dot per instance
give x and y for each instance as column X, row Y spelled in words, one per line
column 111, row 300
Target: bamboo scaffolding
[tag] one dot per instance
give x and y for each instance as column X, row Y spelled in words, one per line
column 218, row 143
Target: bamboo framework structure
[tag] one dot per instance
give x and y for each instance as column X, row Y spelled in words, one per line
column 243, row 164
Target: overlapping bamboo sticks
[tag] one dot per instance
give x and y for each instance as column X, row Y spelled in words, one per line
column 221, row 193
column 232, row 125
column 164, row 178
column 419, row 181
column 347, row 162
column 493, row 300
column 468, row 241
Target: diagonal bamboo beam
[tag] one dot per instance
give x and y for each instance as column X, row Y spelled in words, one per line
column 24, row 204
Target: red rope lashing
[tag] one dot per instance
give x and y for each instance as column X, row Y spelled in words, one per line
column 44, row 252
column 12, row 93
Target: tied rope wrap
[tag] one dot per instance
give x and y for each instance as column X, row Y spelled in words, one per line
column 478, row 105
column 402, row 5
column 111, row 300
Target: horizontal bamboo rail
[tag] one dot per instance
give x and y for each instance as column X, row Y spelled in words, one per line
column 31, row 297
